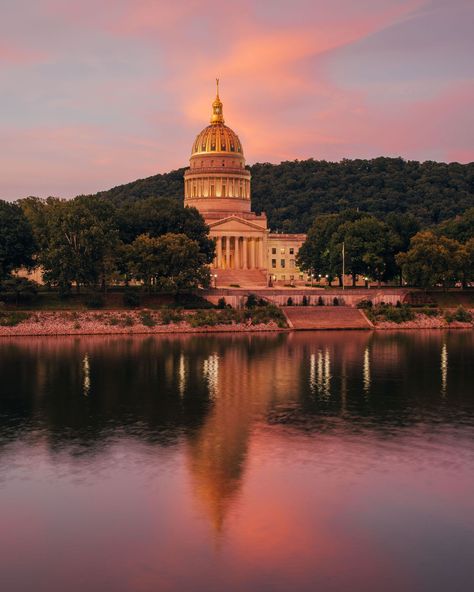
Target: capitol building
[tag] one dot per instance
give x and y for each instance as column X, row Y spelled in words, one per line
column 218, row 184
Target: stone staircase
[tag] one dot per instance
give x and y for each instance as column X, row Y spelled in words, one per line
column 307, row 318
column 244, row 278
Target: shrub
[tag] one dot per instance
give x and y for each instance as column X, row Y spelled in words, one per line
column 113, row 321
column 11, row 319
column 171, row 316
column 221, row 303
column 95, row 301
column 429, row 312
column 305, row 301
column 289, row 302
column 320, row 301
column 460, row 314
column 252, row 301
column 335, row 301
column 365, row 304
column 77, row 325
column 208, row 318
column 147, row 319
column 266, row 315
column 387, row 312
column 131, row 299
column 127, row 321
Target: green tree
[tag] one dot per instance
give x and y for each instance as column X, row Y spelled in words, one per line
column 370, row 248
column 159, row 216
column 460, row 228
column 316, row 254
column 78, row 240
column 433, row 260
column 171, row 262
column 17, row 244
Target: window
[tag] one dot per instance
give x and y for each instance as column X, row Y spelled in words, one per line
column 283, row 277
column 274, row 263
column 292, row 263
column 292, row 251
column 301, row 276
column 274, row 251
column 292, row 277
column 282, row 251
column 282, row 263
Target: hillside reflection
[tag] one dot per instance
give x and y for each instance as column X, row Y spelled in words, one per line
column 209, row 393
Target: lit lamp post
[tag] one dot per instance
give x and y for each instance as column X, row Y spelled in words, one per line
column 366, row 280
column 312, row 278
column 215, row 281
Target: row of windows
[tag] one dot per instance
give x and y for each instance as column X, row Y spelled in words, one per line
column 291, row 251
column 291, row 277
column 283, row 263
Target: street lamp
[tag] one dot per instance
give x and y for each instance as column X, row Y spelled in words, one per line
column 366, row 280
column 215, row 280
column 312, row 278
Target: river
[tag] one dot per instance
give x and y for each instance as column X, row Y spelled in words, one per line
column 269, row 462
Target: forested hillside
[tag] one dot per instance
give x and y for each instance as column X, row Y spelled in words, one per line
column 294, row 193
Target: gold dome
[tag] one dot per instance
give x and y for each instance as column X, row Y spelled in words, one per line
column 217, row 137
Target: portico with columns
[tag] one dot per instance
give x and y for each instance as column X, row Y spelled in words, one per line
column 240, row 244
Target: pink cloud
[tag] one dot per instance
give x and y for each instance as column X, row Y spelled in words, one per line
column 15, row 55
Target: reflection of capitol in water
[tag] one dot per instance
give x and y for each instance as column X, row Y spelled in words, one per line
column 212, row 392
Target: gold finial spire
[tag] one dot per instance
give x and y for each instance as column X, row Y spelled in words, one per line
column 217, row 115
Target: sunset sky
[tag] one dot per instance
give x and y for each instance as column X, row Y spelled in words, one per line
column 99, row 93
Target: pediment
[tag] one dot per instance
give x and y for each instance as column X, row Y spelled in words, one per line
column 235, row 224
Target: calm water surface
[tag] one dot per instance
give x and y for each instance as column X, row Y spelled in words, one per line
column 317, row 461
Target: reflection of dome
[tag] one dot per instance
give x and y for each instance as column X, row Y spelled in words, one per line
column 217, row 137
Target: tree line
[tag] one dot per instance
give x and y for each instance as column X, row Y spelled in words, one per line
column 89, row 242
column 294, row 193
column 397, row 220
column 396, row 248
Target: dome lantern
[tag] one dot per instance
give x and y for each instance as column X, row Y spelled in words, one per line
column 217, row 114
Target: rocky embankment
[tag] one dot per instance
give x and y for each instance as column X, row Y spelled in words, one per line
column 124, row 322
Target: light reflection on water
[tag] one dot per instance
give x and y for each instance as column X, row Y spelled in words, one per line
column 266, row 462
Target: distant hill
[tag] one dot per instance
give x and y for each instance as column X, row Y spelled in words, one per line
column 294, row 192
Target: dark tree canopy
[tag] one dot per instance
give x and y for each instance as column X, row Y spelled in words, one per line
column 17, row 244
column 156, row 216
column 293, row 193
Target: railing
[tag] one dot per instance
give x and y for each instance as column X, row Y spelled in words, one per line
column 221, row 172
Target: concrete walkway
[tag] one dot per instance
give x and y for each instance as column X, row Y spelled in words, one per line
column 311, row 318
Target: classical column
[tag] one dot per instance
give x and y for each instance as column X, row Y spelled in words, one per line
column 245, row 250
column 260, row 253
column 227, row 252
column 252, row 252
column 237, row 252
column 219, row 252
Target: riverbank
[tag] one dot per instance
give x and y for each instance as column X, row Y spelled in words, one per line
column 422, row 321
column 144, row 321
column 129, row 323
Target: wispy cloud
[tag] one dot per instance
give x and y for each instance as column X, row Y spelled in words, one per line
column 100, row 93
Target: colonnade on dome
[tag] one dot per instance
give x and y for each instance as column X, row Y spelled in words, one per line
column 200, row 184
